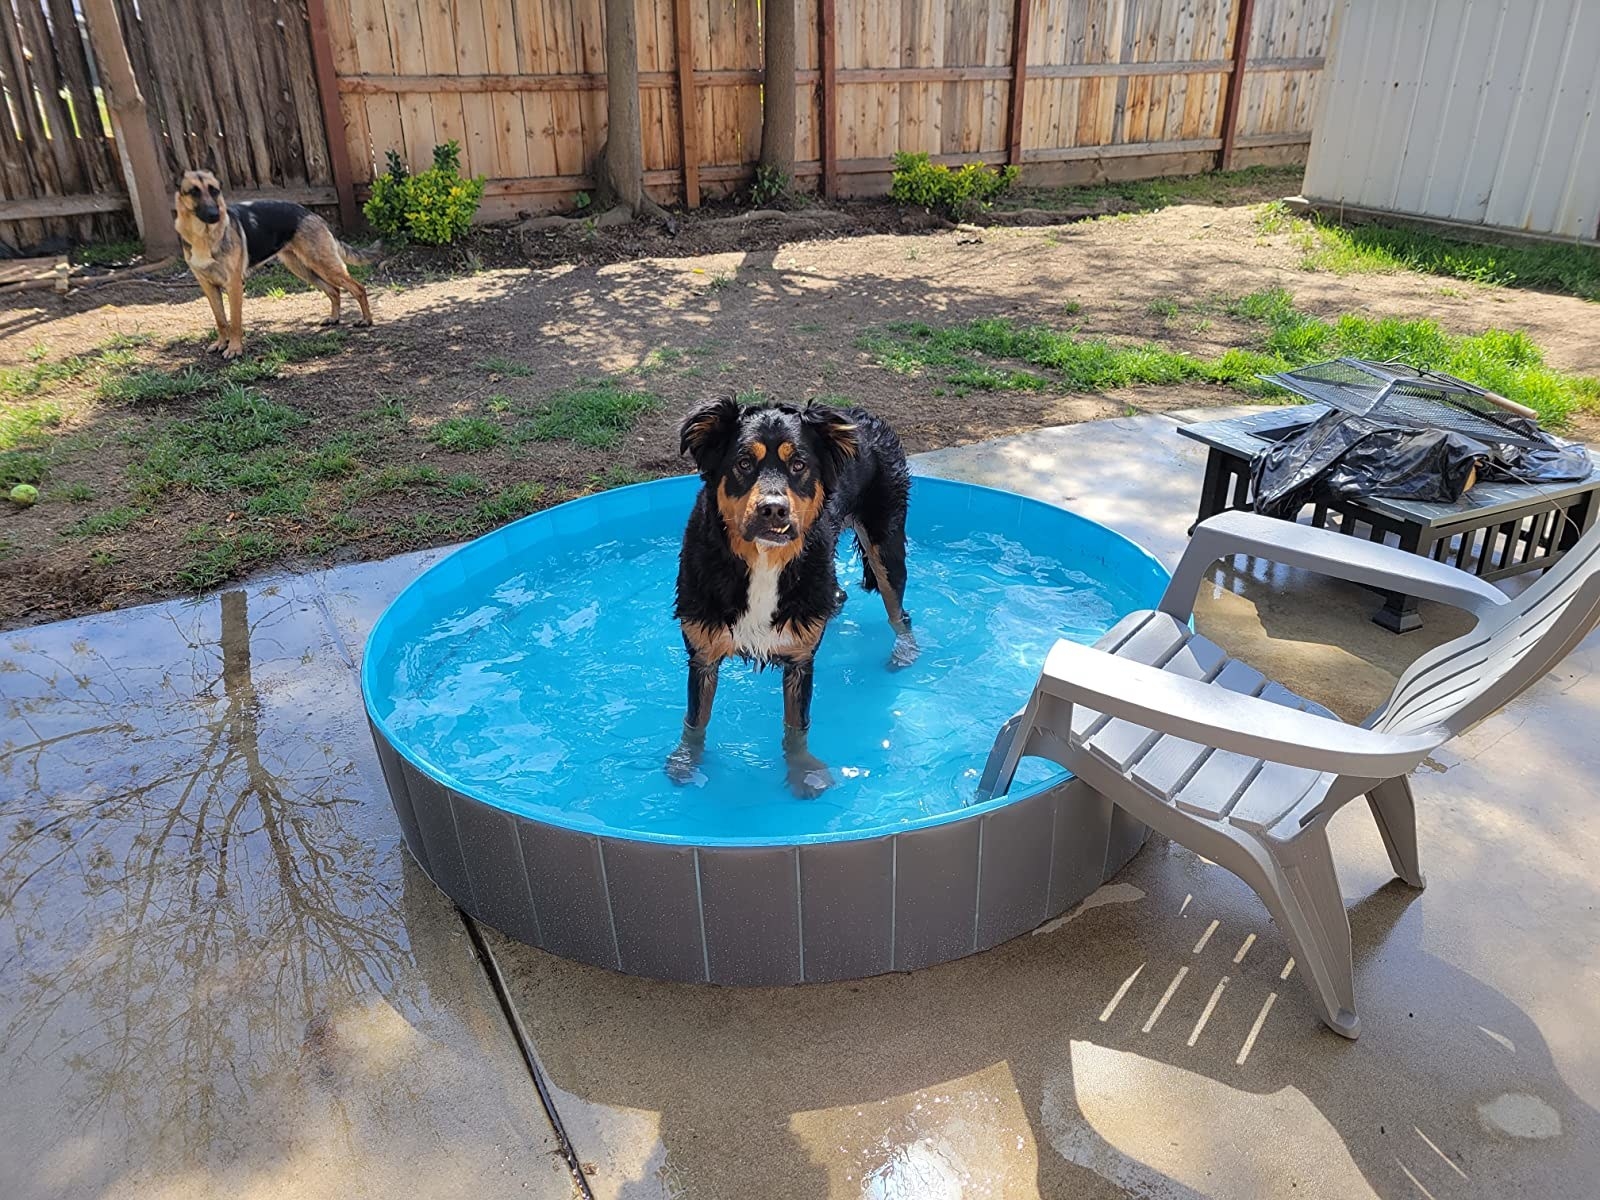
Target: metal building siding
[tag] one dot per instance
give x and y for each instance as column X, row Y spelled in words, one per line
column 1479, row 111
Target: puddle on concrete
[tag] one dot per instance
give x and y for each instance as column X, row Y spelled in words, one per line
column 220, row 964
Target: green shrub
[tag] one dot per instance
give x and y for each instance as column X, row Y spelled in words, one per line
column 957, row 194
column 771, row 187
column 436, row 206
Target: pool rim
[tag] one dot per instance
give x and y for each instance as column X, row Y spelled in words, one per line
column 561, row 820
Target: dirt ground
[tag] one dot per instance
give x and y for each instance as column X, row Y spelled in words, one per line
column 712, row 311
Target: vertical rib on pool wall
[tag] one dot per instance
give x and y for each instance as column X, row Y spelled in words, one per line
column 846, row 908
column 752, row 915
column 565, row 884
column 431, row 803
column 394, row 777
column 493, row 855
column 655, row 908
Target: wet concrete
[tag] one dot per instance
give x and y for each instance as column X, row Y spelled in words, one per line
column 1150, row 1045
column 222, row 975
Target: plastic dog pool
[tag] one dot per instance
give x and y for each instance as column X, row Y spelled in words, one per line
column 525, row 691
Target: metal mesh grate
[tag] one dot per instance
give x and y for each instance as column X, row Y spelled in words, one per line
column 1406, row 396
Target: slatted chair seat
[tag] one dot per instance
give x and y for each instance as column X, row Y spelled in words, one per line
column 1201, row 780
column 1207, row 750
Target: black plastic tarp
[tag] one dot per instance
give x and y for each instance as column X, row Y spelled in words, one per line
column 1341, row 456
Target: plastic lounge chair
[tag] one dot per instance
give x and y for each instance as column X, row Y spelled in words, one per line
column 1204, row 749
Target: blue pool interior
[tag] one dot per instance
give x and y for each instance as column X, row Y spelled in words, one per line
column 539, row 669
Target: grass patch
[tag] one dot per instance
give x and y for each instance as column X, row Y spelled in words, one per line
column 153, row 386
column 499, row 364
column 283, row 500
column 275, row 282
column 1378, row 249
column 1151, row 195
column 116, row 253
column 972, row 355
column 466, row 435
column 516, row 501
column 76, row 493
column 26, row 423
column 464, row 484
column 394, row 479
column 596, row 414
column 617, row 476
column 227, row 560
column 101, row 523
column 1163, row 307
column 22, row 466
column 235, row 444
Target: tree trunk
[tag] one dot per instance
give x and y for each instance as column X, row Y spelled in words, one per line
column 622, row 158
column 778, row 91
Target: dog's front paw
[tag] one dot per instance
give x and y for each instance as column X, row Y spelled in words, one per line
column 809, row 776
column 329, row 320
column 683, row 765
column 905, row 651
column 217, row 346
column 232, row 350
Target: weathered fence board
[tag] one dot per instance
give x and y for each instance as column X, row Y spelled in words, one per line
column 1109, row 86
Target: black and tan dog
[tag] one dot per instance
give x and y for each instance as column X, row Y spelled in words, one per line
column 222, row 241
column 755, row 574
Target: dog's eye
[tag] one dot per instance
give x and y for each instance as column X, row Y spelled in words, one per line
column 746, row 464
column 213, row 191
column 797, row 466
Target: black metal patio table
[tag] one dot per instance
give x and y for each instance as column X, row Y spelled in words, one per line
column 1496, row 530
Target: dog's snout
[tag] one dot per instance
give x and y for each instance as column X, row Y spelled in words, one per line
column 773, row 508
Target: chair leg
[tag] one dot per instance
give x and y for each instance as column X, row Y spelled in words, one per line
column 1309, row 908
column 1004, row 755
column 1396, row 815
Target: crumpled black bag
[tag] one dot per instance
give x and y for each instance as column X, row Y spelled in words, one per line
column 1553, row 461
column 1340, row 456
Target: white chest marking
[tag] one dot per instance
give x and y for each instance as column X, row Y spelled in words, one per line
column 753, row 632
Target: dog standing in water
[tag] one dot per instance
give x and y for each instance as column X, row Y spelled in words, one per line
column 756, row 572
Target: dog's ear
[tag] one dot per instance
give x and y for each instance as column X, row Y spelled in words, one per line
column 835, row 435
column 707, row 432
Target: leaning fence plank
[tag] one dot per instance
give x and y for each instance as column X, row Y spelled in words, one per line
column 1230, row 104
column 147, row 185
column 332, row 114
column 829, row 125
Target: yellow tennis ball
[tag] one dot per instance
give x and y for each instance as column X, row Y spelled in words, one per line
column 24, row 494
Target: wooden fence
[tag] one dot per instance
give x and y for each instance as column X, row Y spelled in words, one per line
column 1068, row 89
column 1089, row 88
column 59, row 175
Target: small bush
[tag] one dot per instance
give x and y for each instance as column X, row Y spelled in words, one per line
column 436, row 206
column 771, row 186
column 958, row 195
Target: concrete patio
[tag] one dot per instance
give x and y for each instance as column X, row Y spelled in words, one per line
column 222, row 975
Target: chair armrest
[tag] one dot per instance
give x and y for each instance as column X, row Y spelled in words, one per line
column 1215, row 716
column 1327, row 553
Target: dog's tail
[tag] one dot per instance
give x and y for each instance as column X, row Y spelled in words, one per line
column 362, row 256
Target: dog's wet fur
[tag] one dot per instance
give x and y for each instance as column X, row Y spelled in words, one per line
column 221, row 241
column 756, row 572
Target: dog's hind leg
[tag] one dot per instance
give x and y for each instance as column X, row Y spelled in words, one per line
column 885, row 559
column 302, row 271
column 235, row 346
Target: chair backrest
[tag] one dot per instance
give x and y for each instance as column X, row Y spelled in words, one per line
column 1452, row 688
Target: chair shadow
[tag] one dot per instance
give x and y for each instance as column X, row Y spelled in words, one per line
column 755, row 1087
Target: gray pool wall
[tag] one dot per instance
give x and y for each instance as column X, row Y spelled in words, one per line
column 764, row 915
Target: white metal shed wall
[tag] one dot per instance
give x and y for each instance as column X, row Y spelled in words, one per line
column 1478, row 111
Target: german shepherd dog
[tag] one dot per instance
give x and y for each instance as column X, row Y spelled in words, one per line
column 222, row 241
column 756, row 575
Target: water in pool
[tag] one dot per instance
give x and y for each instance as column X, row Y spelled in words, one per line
column 563, row 687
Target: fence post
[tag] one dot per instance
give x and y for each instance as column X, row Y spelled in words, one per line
column 142, row 171
column 1019, row 80
column 688, row 118
column 829, row 101
column 1242, row 13
column 332, row 112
